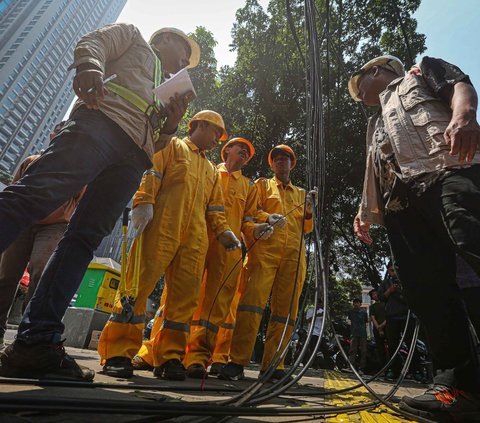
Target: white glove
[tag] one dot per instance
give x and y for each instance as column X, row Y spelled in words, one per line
column 229, row 241
column 263, row 231
column 141, row 217
column 277, row 220
column 312, row 195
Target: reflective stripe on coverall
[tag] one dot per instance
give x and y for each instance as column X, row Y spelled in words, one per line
column 240, row 197
column 185, row 190
column 271, row 266
column 225, row 334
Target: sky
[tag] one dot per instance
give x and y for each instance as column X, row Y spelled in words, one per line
column 215, row 15
column 451, row 27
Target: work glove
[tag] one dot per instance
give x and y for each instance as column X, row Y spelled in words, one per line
column 141, row 217
column 277, row 220
column 229, row 241
column 263, row 231
column 312, row 197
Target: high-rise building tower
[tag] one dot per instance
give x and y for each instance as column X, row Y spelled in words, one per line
column 37, row 38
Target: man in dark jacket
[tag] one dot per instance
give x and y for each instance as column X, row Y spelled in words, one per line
column 422, row 182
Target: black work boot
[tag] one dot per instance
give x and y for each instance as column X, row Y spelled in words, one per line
column 140, row 364
column 172, row 370
column 444, row 402
column 216, row 368
column 120, row 367
column 197, row 371
column 41, row 361
column 232, row 371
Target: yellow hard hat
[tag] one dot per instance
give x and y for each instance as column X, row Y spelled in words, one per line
column 285, row 149
column 391, row 63
column 211, row 117
column 194, row 58
column 239, row 140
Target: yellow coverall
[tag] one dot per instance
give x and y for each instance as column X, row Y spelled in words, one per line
column 240, row 197
column 185, row 190
column 271, row 265
column 225, row 334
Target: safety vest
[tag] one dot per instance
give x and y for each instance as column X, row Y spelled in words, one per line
column 152, row 111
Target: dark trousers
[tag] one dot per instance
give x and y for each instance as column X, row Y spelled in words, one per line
column 379, row 347
column 90, row 150
column 33, row 247
column 394, row 329
column 424, row 239
column 358, row 343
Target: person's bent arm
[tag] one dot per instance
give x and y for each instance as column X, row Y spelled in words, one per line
column 463, row 132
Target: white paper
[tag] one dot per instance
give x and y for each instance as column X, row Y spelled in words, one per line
column 179, row 83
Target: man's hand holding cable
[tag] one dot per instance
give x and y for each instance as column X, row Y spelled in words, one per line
column 362, row 229
column 229, row 241
column 87, row 78
column 263, row 231
column 277, row 220
column 175, row 110
column 312, row 197
column 141, row 217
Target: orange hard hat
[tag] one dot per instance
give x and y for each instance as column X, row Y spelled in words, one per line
column 212, row 117
column 285, row 149
column 239, row 140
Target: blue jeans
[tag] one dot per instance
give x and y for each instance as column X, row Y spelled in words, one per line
column 90, row 150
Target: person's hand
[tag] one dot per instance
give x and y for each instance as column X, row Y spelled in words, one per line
column 141, row 217
column 175, row 110
column 312, row 198
column 362, row 229
column 463, row 137
column 263, row 231
column 83, row 83
column 229, row 241
column 277, row 220
column 381, row 332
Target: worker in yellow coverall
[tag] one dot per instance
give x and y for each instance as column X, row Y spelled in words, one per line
column 224, row 339
column 220, row 280
column 271, row 266
column 175, row 200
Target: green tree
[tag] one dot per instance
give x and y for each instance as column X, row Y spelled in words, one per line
column 263, row 98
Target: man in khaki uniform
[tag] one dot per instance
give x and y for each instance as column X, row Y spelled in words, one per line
column 107, row 144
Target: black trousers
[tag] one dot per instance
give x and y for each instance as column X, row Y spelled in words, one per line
column 424, row 239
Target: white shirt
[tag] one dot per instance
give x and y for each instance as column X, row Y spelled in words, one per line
column 317, row 328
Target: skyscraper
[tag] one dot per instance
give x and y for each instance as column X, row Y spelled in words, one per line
column 37, row 38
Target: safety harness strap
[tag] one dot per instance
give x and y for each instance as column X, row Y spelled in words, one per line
column 150, row 110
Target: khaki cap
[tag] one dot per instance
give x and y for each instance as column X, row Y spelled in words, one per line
column 388, row 62
column 194, row 58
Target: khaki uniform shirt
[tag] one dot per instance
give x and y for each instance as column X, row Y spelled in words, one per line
column 120, row 49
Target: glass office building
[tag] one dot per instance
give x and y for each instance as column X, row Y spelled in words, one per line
column 37, row 38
